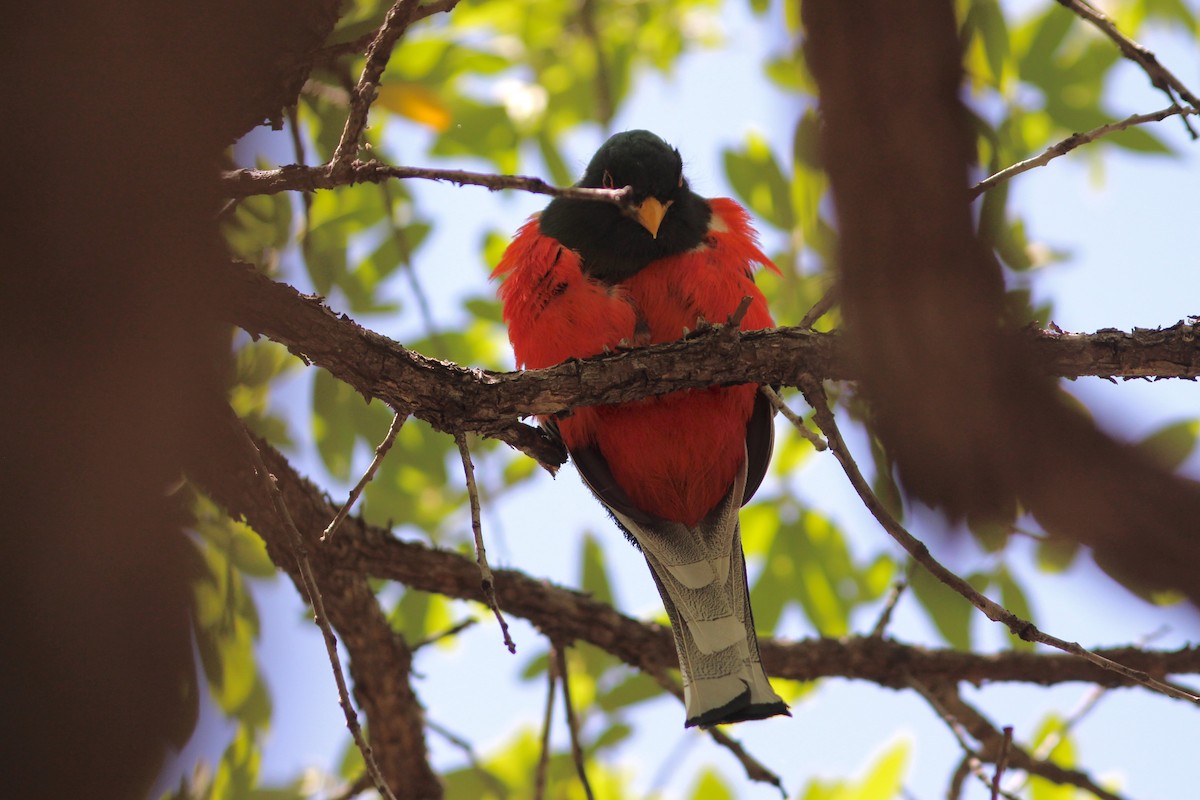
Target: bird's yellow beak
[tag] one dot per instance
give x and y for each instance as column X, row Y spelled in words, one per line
column 650, row 214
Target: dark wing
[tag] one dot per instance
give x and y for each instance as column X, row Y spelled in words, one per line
column 594, row 470
column 760, row 441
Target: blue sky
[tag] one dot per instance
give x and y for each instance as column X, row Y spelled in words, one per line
column 1130, row 228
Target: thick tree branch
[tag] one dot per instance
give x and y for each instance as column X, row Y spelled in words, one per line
column 564, row 615
column 453, row 398
column 380, row 661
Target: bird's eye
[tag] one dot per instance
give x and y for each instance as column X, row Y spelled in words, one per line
column 607, row 181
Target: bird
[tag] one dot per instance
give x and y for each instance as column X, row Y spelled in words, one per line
column 584, row 277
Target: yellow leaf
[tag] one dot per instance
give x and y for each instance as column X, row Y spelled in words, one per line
column 415, row 102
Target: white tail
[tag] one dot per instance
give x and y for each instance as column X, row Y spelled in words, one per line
column 701, row 576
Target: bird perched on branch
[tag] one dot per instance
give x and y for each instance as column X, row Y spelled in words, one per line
column 587, row 276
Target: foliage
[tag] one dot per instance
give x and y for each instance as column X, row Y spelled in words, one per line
column 514, row 87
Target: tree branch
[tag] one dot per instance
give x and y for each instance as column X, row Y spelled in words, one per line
column 241, row 183
column 1160, row 76
column 361, row 550
column 1073, row 141
column 452, row 398
column 380, row 662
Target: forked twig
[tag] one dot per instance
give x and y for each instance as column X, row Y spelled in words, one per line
column 487, row 578
column 814, row 392
column 755, row 770
column 1070, row 143
column 808, row 433
column 560, row 656
column 356, row 492
column 1159, row 76
column 539, row 782
column 309, row 582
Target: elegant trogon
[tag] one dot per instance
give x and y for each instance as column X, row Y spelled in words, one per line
column 585, row 276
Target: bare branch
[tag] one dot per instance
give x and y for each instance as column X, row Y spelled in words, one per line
column 889, row 605
column 395, row 23
column 356, row 492
column 297, row 178
column 357, row 46
column 539, row 782
column 560, row 658
column 452, row 398
column 1160, row 76
column 820, row 308
column 315, row 600
column 1021, row 628
column 755, row 770
column 565, row 615
column 1073, row 141
column 808, row 433
column 1002, row 762
column 486, row 579
column 993, row 744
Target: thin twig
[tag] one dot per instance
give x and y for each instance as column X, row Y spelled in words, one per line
column 808, row 433
column 973, row 760
column 333, row 52
column 487, row 579
column 754, row 768
column 309, row 581
column 539, row 783
column 739, row 313
column 1071, row 142
column 454, row 630
column 301, row 157
column 410, row 271
column 395, row 23
column 462, row 744
column 560, row 656
column 299, row 178
column 356, row 492
column 820, row 308
column 1002, row 761
column 1160, row 77
column 889, row 606
column 992, row 742
column 227, row 209
column 814, row 392
column 357, row 787
column 670, row 763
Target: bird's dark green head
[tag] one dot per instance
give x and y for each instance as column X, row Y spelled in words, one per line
column 638, row 159
column 661, row 217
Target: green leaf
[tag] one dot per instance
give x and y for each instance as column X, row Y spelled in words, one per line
column 985, row 20
column 711, row 786
column 949, row 611
column 333, row 422
column 758, row 181
column 420, row 615
column 1172, row 444
column 1063, row 754
column 636, row 688
column 593, row 574
column 885, row 778
column 1055, row 554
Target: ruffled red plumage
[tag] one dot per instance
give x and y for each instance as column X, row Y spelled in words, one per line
column 675, row 455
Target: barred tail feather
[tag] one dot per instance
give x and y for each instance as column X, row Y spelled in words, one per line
column 701, row 576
